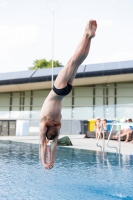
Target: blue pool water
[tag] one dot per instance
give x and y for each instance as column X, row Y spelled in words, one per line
column 77, row 174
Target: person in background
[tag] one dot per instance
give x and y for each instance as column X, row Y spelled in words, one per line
column 104, row 127
column 123, row 128
column 98, row 125
column 126, row 132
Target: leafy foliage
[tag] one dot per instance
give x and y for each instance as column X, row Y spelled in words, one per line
column 43, row 63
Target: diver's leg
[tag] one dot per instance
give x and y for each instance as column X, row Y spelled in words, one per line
column 128, row 134
column 67, row 74
column 70, row 81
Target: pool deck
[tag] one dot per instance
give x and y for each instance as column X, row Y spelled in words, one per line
column 79, row 142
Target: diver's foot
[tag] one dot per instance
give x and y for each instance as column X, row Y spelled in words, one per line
column 91, row 28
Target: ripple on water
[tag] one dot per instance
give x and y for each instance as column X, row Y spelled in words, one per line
column 77, row 174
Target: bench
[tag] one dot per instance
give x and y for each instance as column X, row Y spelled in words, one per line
column 92, row 134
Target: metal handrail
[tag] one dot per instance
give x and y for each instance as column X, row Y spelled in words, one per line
column 39, row 149
column 103, row 140
column 109, row 139
column 98, row 141
column 118, row 150
column 102, row 149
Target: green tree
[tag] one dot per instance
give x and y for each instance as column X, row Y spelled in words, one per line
column 43, row 63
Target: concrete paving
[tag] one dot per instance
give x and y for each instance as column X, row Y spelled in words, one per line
column 79, row 142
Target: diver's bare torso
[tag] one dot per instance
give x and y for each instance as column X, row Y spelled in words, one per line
column 51, row 109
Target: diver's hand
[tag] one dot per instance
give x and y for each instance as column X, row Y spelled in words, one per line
column 46, row 165
column 49, row 165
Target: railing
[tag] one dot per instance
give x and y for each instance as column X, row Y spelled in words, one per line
column 115, row 123
column 109, row 139
column 101, row 147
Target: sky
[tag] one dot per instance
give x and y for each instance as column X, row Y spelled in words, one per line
column 26, row 31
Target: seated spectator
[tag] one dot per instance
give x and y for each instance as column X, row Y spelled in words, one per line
column 123, row 128
column 98, row 126
column 104, row 126
column 126, row 132
column 129, row 131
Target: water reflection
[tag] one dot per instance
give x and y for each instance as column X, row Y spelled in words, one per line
column 76, row 174
column 29, row 153
column 19, row 151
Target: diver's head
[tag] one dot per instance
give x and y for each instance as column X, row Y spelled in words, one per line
column 52, row 132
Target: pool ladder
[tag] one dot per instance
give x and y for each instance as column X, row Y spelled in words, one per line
column 103, row 147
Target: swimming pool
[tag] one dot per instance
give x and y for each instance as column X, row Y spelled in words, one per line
column 77, row 174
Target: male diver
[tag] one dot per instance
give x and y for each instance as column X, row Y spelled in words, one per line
column 50, row 116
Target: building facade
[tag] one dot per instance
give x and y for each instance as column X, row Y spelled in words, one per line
column 113, row 100
column 100, row 90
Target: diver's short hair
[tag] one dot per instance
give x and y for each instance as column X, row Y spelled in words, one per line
column 51, row 132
